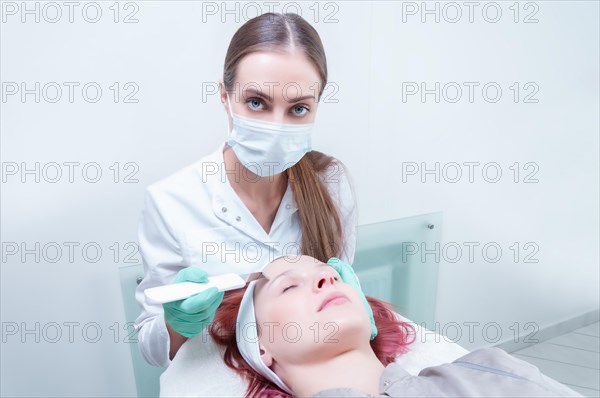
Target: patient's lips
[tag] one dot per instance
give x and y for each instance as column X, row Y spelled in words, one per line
column 334, row 298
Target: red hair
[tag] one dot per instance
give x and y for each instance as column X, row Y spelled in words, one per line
column 391, row 341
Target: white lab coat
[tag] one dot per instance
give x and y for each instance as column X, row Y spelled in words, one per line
column 194, row 217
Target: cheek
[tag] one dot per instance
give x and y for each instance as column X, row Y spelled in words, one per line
column 358, row 307
column 279, row 310
column 282, row 320
column 353, row 295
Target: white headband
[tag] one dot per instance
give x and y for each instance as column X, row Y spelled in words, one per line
column 247, row 339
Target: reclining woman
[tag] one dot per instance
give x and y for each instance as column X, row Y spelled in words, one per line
column 306, row 329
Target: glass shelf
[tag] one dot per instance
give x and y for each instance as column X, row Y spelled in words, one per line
column 392, row 264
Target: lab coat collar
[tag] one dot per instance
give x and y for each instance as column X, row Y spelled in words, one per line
column 228, row 206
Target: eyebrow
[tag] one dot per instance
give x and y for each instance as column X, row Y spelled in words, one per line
column 259, row 93
column 270, row 281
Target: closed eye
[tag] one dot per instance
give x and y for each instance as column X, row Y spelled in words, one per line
column 287, row 288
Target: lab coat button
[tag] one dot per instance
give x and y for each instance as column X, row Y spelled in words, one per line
column 288, row 206
column 386, row 383
column 224, row 209
column 238, row 219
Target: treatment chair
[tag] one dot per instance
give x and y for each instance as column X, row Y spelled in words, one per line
column 394, row 262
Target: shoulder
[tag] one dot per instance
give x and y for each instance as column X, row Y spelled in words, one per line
column 332, row 172
column 336, row 178
column 340, row 392
column 494, row 357
column 335, row 173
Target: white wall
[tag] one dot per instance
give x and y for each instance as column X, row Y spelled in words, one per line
column 170, row 52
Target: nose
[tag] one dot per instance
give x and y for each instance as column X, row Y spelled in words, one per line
column 278, row 117
column 322, row 279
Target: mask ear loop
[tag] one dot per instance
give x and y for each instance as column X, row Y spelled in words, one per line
column 233, row 116
column 229, row 104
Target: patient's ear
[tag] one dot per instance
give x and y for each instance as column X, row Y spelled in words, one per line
column 265, row 356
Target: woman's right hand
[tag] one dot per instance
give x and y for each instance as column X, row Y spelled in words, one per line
column 348, row 276
column 190, row 316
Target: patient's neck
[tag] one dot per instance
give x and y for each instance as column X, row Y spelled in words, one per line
column 359, row 369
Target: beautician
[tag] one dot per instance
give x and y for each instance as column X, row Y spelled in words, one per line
column 262, row 194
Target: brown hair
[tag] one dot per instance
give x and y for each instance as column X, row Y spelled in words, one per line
column 319, row 219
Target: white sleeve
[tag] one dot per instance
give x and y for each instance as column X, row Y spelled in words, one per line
column 338, row 180
column 162, row 258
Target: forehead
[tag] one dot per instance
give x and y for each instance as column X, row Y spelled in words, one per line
column 283, row 264
column 278, row 74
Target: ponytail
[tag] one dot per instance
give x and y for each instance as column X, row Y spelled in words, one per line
column 319, row 217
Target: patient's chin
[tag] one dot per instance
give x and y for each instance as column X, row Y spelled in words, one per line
column 349, row 331
column 322, row 340
column 342, row 334
column 344, row 319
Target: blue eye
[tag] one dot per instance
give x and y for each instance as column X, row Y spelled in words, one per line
column 254, row 103
column 301, row 108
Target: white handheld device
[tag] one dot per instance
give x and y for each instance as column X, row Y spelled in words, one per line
column 183, row 290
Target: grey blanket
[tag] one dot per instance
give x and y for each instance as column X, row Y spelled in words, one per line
column 486, row 372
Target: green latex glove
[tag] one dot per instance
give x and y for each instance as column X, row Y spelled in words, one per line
column 348, row 276
column 190, row 316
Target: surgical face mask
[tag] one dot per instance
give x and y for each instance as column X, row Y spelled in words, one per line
column 267, row 148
